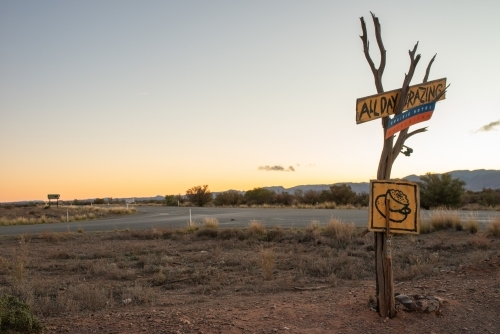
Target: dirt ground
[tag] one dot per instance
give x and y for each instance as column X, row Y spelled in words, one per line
column 210, row 280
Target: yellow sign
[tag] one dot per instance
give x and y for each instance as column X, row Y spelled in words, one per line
column 381, row 105
column 404, row 206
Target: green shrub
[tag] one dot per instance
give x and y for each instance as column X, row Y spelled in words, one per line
column 16, row 316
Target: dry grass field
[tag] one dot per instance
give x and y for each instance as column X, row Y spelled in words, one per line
column 205, row 279
column 27, row 215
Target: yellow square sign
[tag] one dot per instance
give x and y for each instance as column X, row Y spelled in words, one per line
column 404, row 206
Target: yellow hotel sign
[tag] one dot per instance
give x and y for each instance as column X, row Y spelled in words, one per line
column 381, row 105
column 404, row 206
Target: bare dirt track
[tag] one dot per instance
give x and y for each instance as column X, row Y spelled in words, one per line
column 253, row 280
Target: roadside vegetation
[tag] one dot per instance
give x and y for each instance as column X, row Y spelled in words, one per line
column 337, row 196
column 58, row 274
column 43, row 214
column 436, row 191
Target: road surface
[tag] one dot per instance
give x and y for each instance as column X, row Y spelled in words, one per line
column 149, row 217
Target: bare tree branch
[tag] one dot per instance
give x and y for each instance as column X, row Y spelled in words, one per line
column 377, row 72
column 378, row 36
column 415, row 132
column 428, row 70
column 402, row 101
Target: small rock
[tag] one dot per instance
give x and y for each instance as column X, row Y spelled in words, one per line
column 432, row 306
column 406, row 302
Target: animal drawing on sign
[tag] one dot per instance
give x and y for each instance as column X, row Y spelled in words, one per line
column 398, row 206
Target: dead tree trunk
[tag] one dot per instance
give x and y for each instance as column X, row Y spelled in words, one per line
column 390, row 151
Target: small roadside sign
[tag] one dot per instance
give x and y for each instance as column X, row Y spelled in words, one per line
column 403, row 198
column 54, row 196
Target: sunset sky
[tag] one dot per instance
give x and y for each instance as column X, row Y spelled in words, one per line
column 144, row 98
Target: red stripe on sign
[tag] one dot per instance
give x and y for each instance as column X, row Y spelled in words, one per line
column 408, row 122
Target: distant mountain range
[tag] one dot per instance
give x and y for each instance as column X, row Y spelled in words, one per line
column 475, row 180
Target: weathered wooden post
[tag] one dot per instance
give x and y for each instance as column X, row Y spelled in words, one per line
column 421, row 98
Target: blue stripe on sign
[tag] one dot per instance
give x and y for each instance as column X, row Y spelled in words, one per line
column 410, row 113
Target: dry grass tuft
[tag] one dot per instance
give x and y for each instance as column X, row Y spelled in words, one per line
column 266, row 262
column 343, row 232
column 192, row 226
column 472, row 226
column 444, row 219
column 256, row 228
column 494, row 227
column 18, row 268
column 211, row 222
column 314, row 225
column 425, row 227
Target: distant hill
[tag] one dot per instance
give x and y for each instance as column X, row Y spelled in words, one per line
column 475, row 180
column 356, row 187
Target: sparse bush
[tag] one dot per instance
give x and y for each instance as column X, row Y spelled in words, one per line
column 207, row 233
column 342, row 194
column 229, row 198
column 199, row 195
column 230, row 233
column 494, row 228
column 276, row 234
column 16, row 316
column 259, row 196
column 440, row 190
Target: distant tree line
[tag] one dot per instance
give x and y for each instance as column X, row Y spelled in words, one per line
column 201, row 196
column 436, row 190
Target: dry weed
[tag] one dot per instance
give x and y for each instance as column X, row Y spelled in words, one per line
column 472, row 226
column 211, row 222
column 425, row 227
column 444, row 219
column 343, row 232
column 266, row 262
column 494, row 227
column 256, row 228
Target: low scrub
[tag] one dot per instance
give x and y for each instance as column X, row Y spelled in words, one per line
column 49, row 215
column 16, row 316
column 494, row 228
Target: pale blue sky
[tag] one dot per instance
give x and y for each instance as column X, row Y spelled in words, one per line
column 139, row 98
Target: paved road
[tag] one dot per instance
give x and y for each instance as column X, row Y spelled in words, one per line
column 173, row 217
